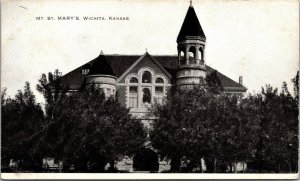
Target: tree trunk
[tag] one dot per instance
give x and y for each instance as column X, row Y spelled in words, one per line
column 66, row 166
column 175, row 164
column 37, row 164
column 235, row 167
column 215, row 165
column 21, row 165
column 112, row 166
column 201, row 169
column 59, row 166
column 230, row 165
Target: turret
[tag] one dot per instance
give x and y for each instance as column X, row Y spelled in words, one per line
column 191, row 45
column 102, row 76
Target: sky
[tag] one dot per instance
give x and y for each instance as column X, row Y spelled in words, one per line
column 258, row 40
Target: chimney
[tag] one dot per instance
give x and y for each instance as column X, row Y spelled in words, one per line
column 241, row 80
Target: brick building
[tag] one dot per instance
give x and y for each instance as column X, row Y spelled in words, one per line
column 142, row 79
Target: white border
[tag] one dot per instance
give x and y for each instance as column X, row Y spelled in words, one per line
column 123, row 176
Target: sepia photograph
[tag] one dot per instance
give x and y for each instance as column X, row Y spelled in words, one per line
column 128, row 89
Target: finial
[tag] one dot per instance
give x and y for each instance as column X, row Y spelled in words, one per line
column 191, row 3
column 101, row 53
column 146, row 50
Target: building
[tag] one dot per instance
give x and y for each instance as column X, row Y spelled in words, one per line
column 142, row 79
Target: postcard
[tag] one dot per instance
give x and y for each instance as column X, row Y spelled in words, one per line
column 127, row 89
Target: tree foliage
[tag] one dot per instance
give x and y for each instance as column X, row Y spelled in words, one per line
column 50, row 87
column 223, row 129
column 277, row 146
column 89, row 130
column 22, row 117
column 84, row 129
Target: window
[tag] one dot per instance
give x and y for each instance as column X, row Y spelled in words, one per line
column 181, row 55
column 146, row 78
column 85, row 71
column 132, row 89
column 133, row 102
column 146, row 95
column 133, row 80
column 143, row 89
column 201, row 53
column 159, row 90
column 192, row 52
column 159, row 80
column 133, row 98
column 191, row 55
column 182, row 58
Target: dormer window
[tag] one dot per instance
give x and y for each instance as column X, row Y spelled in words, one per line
column 85, row 71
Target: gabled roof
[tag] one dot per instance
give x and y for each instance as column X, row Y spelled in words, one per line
column 120, row 63
column 190, row 26
column 140, row 59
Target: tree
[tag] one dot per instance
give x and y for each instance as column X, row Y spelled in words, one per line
column 295, row 81
column 191, row 125
column 198, row 123
column 89, row 130
column 51, row 88
column 224, row 129
column 22, row 117
column 213, row 82
column 274, row 116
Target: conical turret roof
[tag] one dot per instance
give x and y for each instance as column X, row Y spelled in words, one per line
column 190, row 26
column 101, row 66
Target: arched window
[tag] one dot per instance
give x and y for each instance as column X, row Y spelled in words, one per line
column 146, row 78
column 133, row 80
column 200, row 53
column 146, row 95
column 181, row 58
column 159, row 80
column 192, row 53
column 181, row 55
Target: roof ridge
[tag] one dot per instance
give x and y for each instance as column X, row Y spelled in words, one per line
column 138, row 55
column 122, row 54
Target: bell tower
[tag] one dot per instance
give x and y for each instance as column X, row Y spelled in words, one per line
column 191, row 45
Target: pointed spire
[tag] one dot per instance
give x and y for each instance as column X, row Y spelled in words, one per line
column 191, row 3
column 101, row 53
column 190, row 26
